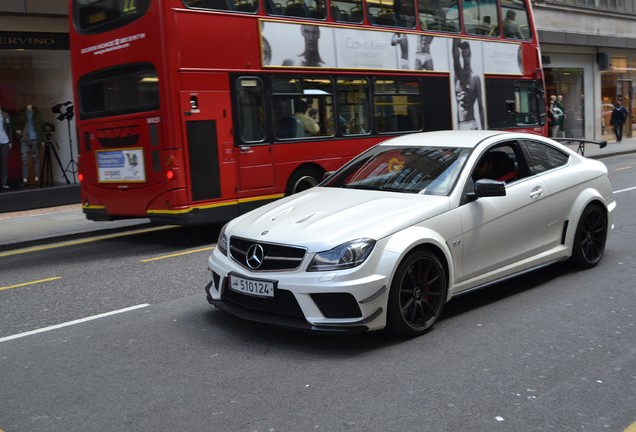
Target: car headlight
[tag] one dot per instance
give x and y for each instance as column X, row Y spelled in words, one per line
column 345, row 256
column 221, row 243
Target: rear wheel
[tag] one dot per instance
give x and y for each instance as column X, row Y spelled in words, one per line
column 418, row 293
column 590, row 237
column 303, row 179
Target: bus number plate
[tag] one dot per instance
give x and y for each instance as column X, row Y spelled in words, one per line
column 254, row 287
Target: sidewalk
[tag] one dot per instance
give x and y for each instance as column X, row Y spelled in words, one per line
column 26, row 228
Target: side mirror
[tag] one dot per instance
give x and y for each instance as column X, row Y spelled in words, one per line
column 489, row 188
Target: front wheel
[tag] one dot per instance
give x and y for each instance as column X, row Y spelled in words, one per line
column 590, row 237
column 418, row 293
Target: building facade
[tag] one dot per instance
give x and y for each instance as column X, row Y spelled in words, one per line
column 588, row 49
column 589, row 57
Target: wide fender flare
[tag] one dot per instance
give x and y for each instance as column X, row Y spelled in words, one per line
column 409, row 239
column 585, row 198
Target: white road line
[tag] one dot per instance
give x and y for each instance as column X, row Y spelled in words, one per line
column 70, row 323
column 625, row 190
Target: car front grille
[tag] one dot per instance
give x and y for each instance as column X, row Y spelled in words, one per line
column 259, row 256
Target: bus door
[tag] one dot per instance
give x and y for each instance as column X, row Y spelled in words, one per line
column 209, row 148
column 255, row 155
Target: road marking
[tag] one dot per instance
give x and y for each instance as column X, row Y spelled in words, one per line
column 631, row 428
column 623, row 168
column 70, row 323
column 83, row 241
column 209, row 248
column 625, row 190
column 3, row 288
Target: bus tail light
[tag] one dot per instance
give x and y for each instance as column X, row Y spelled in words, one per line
column 80, row 177
column 169, row 174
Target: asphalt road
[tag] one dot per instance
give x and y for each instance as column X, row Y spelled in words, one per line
column 554, row 350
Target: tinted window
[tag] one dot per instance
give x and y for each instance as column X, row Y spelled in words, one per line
column 92, row 16
column 120, row 90
column 397, row 105
column 250, row 105
column 545, row 157
column 229, row 5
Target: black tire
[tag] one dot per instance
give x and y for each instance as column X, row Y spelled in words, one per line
column 590, row 237
column 418, row 293
column 303, row 179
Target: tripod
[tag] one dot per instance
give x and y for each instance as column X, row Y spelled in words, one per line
column 47, row 170
column 72, row 165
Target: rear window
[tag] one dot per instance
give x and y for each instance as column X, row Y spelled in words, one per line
column 121, row 90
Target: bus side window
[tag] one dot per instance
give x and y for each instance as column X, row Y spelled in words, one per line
column 515, row 23
column 438, row 15
column 251, row 109
column 480, row 18
column 397, row 105
column 211, row 4
column 353, row 116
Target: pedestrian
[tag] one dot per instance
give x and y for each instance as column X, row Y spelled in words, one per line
column 29, row 126
column 619, row 115
column 5, row 146
column 559, row 113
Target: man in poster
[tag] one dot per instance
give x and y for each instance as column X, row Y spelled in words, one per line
column 467, row 88
column 311, row 56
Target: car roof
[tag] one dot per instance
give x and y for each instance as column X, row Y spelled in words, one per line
column 452, row 138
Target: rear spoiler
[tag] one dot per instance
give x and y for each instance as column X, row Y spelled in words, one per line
column 581, row 141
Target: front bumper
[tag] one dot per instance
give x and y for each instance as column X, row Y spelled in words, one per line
column 349, row 301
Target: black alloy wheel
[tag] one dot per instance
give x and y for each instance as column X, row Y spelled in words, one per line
column 590, row 237
column 418, row 293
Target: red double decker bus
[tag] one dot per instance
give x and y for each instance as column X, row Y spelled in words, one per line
column 195, row 111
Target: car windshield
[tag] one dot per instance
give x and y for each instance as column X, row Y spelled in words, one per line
column 424, row 170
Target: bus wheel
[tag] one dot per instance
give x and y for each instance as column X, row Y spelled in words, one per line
column 303, row 179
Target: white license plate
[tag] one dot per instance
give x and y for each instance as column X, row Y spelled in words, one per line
column 255, row 287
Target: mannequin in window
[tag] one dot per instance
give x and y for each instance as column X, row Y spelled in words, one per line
column 29, row 126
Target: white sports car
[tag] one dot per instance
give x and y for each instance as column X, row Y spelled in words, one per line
column 390, row 237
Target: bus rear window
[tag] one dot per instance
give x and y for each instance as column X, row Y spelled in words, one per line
column 121, row 90
column 93, row 16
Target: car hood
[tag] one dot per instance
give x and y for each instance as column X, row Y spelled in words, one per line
column 326, row 217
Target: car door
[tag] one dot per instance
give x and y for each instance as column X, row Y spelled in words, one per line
column 501, row 234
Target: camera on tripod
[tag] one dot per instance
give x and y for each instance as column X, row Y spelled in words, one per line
column 64, row 110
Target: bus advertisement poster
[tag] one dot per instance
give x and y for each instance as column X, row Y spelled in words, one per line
column 120, row 165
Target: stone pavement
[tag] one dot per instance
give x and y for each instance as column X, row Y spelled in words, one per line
column 31, row 227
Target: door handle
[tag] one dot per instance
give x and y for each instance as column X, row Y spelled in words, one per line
column 536, row 192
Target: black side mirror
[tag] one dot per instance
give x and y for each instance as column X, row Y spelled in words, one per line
column 489, row 188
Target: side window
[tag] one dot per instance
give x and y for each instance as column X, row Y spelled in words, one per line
column 481, row 17
column 515, row 24
column 502, row 163
column 397, row 105
column 438, row 15
column 354, row 115
column 301, row 107
column 250, row 103
column 545, row 157
column 315, row 9
column 347, row 11
column 399, row 13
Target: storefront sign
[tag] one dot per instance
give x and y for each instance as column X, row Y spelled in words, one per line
column 34, row 41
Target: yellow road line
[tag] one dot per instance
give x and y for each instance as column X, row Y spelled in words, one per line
column 3, row 288
column 83, row 241
column 631, row 428
column 209, row 248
